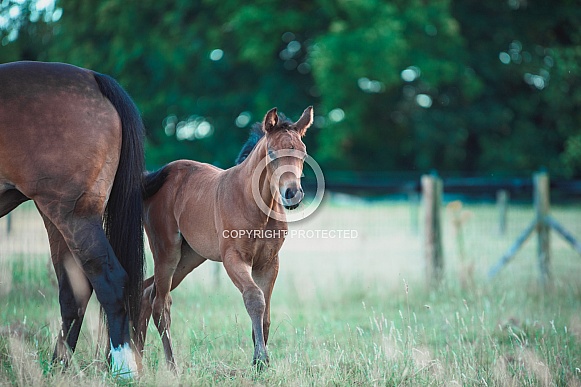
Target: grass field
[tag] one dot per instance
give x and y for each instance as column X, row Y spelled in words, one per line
column 349, row 311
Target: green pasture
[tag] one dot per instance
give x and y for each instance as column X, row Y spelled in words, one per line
column 345, row 311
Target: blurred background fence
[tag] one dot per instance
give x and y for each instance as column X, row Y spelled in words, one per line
column 386, row 232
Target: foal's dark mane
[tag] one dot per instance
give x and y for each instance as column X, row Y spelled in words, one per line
column 153, row 181
column 256, row 133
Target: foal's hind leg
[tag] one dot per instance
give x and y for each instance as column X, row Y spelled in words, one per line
column 74, row 293
column 166, row 257
column 158, row 297
column 145, row 314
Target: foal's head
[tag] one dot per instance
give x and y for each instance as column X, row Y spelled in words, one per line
column 286, row 153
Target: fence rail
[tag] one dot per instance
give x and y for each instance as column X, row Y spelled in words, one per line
column 371, row 184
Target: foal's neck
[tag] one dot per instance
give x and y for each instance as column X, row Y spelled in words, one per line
column 257, row 159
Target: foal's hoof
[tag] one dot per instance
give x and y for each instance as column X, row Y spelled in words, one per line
column 172, row 366
column 260, row 364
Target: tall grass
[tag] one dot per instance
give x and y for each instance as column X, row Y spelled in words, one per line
column 344, row 312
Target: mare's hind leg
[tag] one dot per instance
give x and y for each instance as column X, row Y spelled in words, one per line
column 74, row 293
column 84, row 235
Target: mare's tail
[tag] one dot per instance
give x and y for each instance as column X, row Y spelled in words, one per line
column 123, row 216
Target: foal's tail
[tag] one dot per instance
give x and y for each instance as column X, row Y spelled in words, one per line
column 153, row 181
column 123, row 219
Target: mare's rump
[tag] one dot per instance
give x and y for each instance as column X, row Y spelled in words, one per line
column 58, row 133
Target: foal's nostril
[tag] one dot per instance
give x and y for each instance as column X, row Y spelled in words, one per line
column 290, row 193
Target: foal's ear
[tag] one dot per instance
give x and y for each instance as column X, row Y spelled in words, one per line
column 270, row 120
column 305, row 121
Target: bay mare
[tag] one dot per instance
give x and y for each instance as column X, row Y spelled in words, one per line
column 192, row 209
column 71, row 140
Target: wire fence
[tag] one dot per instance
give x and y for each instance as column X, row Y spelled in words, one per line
column 351, row 238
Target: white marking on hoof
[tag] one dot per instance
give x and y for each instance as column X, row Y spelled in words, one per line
column 123, row 362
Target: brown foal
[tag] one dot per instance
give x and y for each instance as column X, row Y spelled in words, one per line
column 195, row 211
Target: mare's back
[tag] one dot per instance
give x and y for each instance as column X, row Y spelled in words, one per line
column 36, row 80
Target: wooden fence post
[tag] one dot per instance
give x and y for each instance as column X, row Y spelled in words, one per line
column 432, row 201
column 502, row 205
column 413, row 201
column 542, row 224
column 217, row 272
column 8, row 223
column 542, row 208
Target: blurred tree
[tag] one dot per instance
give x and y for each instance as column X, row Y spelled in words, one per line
column 26, row 29
column 526, row 52
column 399, row 73
column 467, row 86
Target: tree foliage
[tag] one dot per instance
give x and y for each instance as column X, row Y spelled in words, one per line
column 470, row 86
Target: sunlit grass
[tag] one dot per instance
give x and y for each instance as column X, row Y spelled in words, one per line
column 344, row 312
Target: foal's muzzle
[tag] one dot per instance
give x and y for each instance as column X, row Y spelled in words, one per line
column 292, row 197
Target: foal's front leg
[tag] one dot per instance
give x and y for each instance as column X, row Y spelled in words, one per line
column 265, row 278
column 240, row 272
